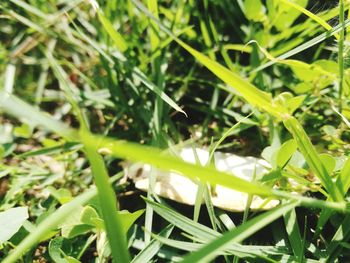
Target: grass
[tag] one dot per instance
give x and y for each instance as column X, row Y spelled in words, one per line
column 86, row 86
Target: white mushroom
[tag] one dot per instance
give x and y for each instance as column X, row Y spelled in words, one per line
column 181, row 189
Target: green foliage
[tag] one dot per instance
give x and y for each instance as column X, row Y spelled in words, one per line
column 86, row 85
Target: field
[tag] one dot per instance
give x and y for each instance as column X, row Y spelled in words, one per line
column 174, row 131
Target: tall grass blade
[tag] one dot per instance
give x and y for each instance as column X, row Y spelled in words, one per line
column 341, row 53
column 107, row 198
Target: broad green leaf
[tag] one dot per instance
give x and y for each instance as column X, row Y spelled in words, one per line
column 287, row 14
column 303, row 87
column 23, row 131
column 285, row 152
column 62, row 195
column 290, row 102
column 90, row 217
column 11, row 221
column 328, row 162
column 127, row 218
column 52, row 222
column 254, row 10
column 57, row 254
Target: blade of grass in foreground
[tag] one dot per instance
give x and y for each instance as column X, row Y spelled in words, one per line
column 341, row 52
column 107, row 198
column 238, row 234
column 156, row 157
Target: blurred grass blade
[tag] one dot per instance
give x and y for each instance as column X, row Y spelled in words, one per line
column 116, row 37
column 153, row 29
column 70, row 90
column 238, row 234
column 9, row 80
column 157, row 158
column 341, row 53
column 137, row 73
column 25, row 112
column 31, row 8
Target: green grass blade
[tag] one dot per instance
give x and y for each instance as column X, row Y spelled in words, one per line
column 293, row 231
column 139, row 75
column 341, row 53
column 153, row 30
column 153, row 247
column 115, row 36
column 238, row 234
column 107, row 198
column 201, row 232
column 343, row 180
